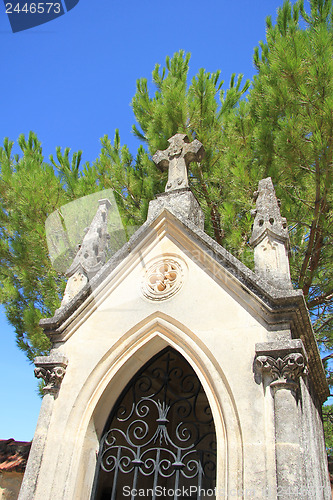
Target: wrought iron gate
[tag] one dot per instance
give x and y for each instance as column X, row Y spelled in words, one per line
column 160, row 439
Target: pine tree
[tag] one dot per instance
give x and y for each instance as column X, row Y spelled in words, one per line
column 203, row 110
column 292, row 102
column 282, row 127
column 30, row 287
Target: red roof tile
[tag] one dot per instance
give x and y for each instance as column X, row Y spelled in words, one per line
column 13, row 455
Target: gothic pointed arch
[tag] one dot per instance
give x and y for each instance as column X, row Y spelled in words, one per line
column 116, row 369
column 160, row 436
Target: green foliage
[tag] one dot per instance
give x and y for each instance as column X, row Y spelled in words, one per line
column 202, row 110
column 328, row 428
column 29, row 287
column 291, row 102
column 134, row 181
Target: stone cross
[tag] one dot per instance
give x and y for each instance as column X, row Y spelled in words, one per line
column 176, row 158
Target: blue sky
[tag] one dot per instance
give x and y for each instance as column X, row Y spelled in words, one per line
column 72, row 80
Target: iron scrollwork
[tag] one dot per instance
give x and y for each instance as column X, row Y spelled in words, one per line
column 161, row 432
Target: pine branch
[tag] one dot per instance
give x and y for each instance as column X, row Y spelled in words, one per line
column 326, row 358
column 313, row 231
column 322, row 299
column 327, row 322
column 214, row 213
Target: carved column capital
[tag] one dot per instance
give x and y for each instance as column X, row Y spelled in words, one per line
column 52, row 370
column 284, row 362
column 285, row 369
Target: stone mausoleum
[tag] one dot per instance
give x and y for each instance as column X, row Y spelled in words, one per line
column 176, row 371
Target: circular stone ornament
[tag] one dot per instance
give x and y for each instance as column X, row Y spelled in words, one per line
column 163, row 279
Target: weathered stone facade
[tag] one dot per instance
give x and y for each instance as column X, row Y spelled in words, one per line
column 247, row 336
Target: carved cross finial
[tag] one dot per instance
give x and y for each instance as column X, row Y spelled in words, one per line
column 177, row 158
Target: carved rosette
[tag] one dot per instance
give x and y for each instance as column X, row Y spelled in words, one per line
column 52, row 370
column 163, row 279
column 285, row 370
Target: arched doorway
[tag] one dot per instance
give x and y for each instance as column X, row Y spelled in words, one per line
column 159, row 441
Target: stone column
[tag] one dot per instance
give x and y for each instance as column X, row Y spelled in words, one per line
column 281, row 365
column 52, row 370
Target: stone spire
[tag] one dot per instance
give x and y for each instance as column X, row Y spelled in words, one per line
column 92, row 253
column 270, row 238
column 178, row 198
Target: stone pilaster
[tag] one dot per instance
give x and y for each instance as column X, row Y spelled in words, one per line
column 52, row 370
column 281, row 365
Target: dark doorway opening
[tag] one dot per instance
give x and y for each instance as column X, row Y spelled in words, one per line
column 159, row 441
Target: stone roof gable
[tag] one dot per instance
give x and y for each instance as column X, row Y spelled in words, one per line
column 176, row 212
